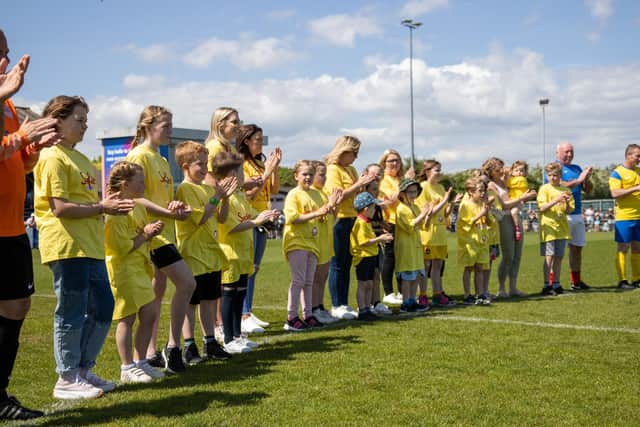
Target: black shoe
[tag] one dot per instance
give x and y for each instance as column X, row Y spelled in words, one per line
column 558, row 290
column 213, row 350
column 12, row 409
column 173, row 360
column 156, row 361
column 548, row 290
column 623, row 284
column 580, row 286
column 367, row 316
column 636, row 284
column 190, row 354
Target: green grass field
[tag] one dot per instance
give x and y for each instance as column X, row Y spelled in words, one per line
column 566, row 360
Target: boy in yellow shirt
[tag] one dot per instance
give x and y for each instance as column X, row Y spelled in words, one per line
column 364, row 249
column 554, row 201
column 197, row 242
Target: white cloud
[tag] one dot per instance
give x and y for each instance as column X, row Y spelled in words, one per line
column 245, row 53
column 155, row 53
column 600, row 9
column 281, row 15
column 464, row 112
column 136, row 81
column 415, row 8
column 342, row 30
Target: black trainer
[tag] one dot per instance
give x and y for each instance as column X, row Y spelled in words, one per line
column 156, row 361
column 12, row 409
column 558, row 290
column 213, row 350
column 191, row 355
column 548, row 290
column 623, row 284
column 580, row 286
column 173, row 360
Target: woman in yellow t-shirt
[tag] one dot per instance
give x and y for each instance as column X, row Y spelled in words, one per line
column 391, row 162
column 264, row 171
column 153, row 130
column 126, row 242
column 343, row 176
column 69, row 216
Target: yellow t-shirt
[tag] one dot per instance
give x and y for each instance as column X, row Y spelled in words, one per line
column 388, row 188
column 130, row 272
column 262, row 200
column 304, row 236
column 68, row 174
column 361, row 233
column 158, row 188
column 237, row 247
column 627, row 207
column 493, row 227
column 342, row 178
column 214, row 146
column 517, row 186
column 197, row 243
column 325, row 232
column 406, row 243
column 435, row 232
column 473, row 239
column 554, row 224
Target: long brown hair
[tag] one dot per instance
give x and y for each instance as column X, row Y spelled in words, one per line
column 62, row 106
column 245, row 133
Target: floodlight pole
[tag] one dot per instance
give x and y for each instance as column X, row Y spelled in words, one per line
column 543, row 103
column 411, row 25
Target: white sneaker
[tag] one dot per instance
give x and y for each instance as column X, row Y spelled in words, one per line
column 134, row 375
column 247, row 342
column 343, row 313
column 77, row 389
column 249, row 326
column 390, row 299
column 380, row 308
column 259, row 322
column 350, row 313
column 236, row 347
column 323, row 316
column 150, row 370
column 98, row 382
column 399, row 299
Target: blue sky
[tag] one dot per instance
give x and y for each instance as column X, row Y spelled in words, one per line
column 310, row 71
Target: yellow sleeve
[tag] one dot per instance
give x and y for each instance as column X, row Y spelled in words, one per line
column 53, row 178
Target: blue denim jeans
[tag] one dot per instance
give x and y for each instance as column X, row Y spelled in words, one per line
column 83, row 313
column 259, row 245
column 340, row 267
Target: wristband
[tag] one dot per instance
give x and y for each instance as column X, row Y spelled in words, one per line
column 101, row 208
column 214, row 201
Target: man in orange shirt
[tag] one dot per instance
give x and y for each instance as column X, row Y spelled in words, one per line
column 18, row 155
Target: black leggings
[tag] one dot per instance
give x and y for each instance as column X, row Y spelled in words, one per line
column 231, row 308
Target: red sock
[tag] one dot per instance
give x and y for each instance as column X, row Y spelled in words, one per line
column 551, row 277
column 575, row 277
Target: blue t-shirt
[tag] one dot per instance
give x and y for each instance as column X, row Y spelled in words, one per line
column 569, row 173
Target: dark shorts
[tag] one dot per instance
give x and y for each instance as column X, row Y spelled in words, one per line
column 208, row 287
column 240, row 283
column 366, row 268
column 165, row 255
column 17, row 268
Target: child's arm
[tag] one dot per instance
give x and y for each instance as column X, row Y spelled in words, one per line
column 564, row 197
column 423, row 216
column 148, row 232
column 175, row 210
column 249, row 224
column 484, row 212
column 383, row 238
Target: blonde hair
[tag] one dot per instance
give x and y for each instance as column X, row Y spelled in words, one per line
column 553, row 167
column 188, row 151
column 217, row 121
column 344, row 144
column 303, row 164
column 120, row 173
column 387, row 153
column 473, row 183
column 147, row 118
column 223, row 163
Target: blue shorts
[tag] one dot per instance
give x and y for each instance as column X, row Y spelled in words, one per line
column 628, row 231
column 409, row 276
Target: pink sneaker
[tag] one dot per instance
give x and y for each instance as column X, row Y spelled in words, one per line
column 423, row 300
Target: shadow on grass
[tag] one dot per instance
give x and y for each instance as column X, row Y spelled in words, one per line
column 175, row 405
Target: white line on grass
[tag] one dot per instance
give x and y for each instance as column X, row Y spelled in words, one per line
column 478, row 319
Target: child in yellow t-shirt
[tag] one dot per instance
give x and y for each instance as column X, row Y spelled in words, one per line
column 198, row 244
column 409, row 265
column 130, row 272
column 364, row 248
column 473, row 245
column 303, row 208
column 325, row 248
column 517, row 185
column 554, row 201
column 235, row 236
